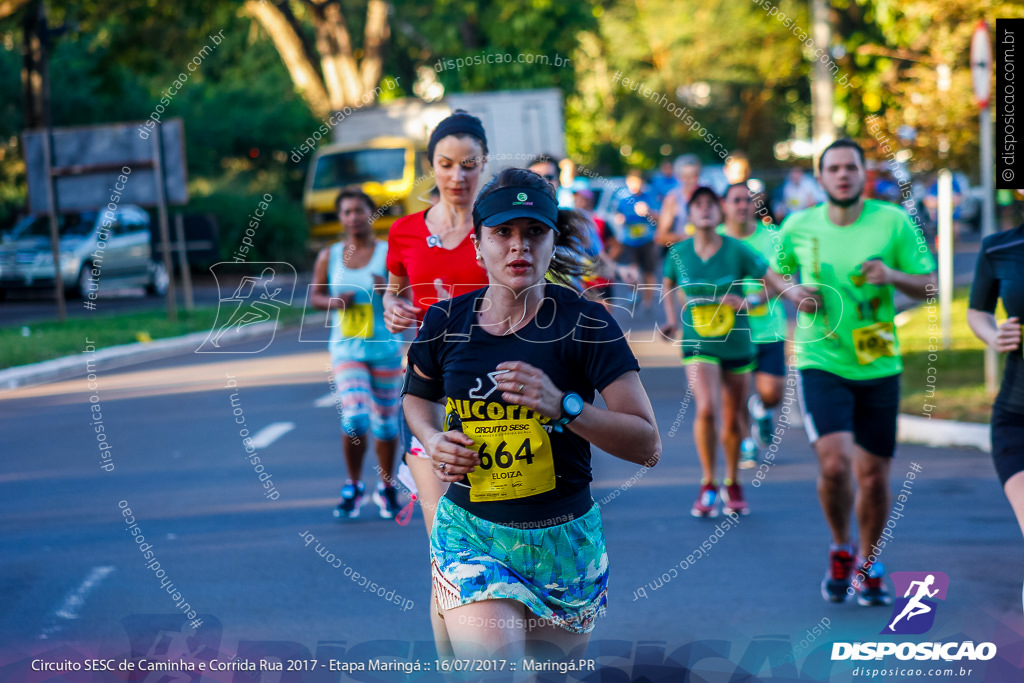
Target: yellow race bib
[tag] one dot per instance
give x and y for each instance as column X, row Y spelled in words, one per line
column 637, row 231
column 356, row 321
column 713, row 320
column 761, row 310
column 515, row 459
column 874, row 342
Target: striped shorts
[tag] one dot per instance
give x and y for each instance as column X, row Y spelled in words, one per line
column 369, row 393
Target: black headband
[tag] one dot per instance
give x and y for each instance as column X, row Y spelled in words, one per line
column 516, row 202
column 459, row 122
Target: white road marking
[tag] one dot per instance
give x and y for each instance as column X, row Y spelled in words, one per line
column 74, row 601
column 271, row 433
column 326, row 401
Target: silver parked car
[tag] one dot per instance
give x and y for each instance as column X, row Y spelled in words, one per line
column 97, row 249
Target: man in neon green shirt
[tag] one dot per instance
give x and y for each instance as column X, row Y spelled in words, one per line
column 851, row 255
column 767, row 318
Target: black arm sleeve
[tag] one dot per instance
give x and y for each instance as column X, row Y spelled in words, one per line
column 424, row 354
column 985, row 289
column 421, row 387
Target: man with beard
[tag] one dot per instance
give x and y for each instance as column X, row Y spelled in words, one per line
column 851, row 255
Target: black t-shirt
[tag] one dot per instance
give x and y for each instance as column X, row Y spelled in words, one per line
column 577, row 344
column 999, row 274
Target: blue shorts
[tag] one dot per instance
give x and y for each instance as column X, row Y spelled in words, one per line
column 559, row 572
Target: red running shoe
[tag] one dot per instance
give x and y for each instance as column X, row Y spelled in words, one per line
column 706, row 504
column 732, row 497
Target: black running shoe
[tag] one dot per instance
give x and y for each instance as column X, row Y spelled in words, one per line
column 386, row 498
column 351, row 500
column 870, row 584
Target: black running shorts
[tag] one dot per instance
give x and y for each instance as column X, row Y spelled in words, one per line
column 867, row 407
column 1007, row 442
column 771, row 358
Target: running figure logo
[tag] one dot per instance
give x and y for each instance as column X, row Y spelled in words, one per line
column 170, row 638
column 914, row 613
column 254, row 299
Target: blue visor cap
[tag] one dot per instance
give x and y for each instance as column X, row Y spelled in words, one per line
column 516, row 202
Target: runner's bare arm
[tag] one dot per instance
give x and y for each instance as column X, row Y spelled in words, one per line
column 671, row 296
column 774, row 283
column 806, row 299
column 1002, row 338
column 319, row 295
column 914, row 286
column 626, row 429
column 399, row 313
column 666, row 221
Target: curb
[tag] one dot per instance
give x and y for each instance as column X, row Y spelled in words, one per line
column 943, row 433
column 114, row 357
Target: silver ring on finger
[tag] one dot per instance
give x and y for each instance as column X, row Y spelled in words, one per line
column 521, row 387
column 443, row 467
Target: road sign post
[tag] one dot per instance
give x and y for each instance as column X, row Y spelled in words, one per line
column 946, row 256
column 981, row 76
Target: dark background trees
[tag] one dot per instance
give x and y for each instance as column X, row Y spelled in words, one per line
column 283, row 66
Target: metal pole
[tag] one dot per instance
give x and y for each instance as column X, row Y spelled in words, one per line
column 946, row 256
column 165, row 239
column 988, row 226
column 51, row 207
column 52, row 202
column 186, row 275
column 822, row 85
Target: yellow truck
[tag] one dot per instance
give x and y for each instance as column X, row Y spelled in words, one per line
column 383, row 150
column 392, row 170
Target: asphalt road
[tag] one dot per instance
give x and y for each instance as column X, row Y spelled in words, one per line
column 75, row 584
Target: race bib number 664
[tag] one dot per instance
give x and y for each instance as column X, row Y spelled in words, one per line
column 515, row 459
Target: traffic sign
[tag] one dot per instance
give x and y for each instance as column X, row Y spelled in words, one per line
column 981, row 64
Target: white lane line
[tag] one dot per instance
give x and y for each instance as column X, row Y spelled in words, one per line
column 74, row 601
column 325, row 401
column 271, row 433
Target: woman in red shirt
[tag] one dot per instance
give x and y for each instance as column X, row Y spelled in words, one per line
column 430, row 259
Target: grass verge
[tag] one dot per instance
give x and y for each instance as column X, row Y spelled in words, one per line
column 52, row 339
column 950, row 381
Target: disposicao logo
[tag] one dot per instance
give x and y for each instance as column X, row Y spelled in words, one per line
column 914, row 614
column 521, row 196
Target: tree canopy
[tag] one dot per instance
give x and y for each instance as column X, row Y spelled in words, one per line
column 642, row 80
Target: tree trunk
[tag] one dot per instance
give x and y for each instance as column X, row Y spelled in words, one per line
column 377, row 33
column 293, row 53
column 32, row 67
column 339, row 80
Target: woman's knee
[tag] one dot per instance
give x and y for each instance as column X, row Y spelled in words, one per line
column 355, row 425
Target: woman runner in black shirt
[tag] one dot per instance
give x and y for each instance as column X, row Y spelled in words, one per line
column 999, row 274
column 517, row 548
